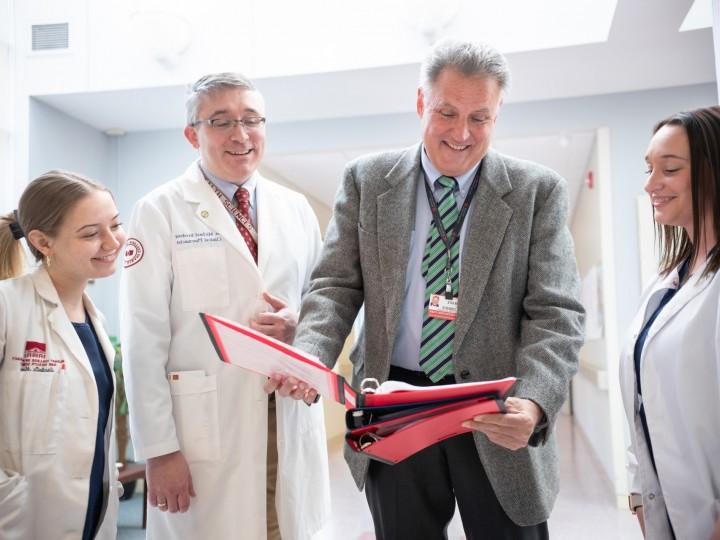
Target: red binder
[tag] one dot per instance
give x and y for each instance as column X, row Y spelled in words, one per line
column 393, row 441
column 388, row 423
column 393, row 425
column 242, row 346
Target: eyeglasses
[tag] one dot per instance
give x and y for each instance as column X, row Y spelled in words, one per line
column 226, row 124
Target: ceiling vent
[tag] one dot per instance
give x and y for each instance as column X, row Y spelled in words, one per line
column 48, row 37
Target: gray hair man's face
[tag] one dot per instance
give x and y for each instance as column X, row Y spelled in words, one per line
column 458, row 118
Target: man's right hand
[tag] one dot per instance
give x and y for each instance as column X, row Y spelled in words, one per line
column 290, row 387
column 169, row 482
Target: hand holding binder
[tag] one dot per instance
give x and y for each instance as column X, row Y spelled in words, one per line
column 397, row 419
column 242, row 346
column 387, row 422
column 513, row 430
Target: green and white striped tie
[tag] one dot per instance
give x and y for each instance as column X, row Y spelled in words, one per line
column 436, row 345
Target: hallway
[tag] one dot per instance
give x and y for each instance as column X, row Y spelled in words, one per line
column 585, row 508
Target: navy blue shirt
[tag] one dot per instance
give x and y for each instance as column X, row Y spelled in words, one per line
column 103, row 381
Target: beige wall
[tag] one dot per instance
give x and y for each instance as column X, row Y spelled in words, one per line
column 595, row 389
column 322, row 211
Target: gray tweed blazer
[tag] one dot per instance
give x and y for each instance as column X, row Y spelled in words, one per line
column 518, row 311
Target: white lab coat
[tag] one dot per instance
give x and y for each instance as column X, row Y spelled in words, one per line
column 48, row 419
column 193, row 259
column 680, row 376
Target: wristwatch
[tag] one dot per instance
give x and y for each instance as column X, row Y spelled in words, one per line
column 634, row 502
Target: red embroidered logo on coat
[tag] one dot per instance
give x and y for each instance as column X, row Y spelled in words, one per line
column 35, row 358
column 134, row 252
column 36, row 348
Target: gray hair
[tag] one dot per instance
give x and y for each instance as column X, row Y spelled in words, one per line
column 210, row 83
column 469, row 58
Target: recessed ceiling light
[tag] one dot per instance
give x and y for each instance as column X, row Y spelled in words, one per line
column 114, row 132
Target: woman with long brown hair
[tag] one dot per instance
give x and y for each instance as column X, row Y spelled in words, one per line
column 670, row 370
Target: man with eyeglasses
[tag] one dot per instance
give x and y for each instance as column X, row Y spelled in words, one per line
column 224, row 460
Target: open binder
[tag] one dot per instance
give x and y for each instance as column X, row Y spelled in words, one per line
column 387, row 422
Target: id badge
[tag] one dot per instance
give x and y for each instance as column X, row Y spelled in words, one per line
column 440, row 307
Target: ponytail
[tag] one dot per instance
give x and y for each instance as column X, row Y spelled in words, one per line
column 12, row 256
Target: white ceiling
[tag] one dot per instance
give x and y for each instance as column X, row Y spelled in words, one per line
column 643, row 40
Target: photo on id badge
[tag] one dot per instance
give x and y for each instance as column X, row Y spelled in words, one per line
column 440, row 307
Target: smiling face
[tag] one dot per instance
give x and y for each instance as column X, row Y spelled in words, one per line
column 87, row 242
column 231, row 154
column 668, row 183
column 458, row 117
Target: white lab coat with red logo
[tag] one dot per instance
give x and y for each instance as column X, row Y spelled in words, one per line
column 187, row 256
column 48, row 416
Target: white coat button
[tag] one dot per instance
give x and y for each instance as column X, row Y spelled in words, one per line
column 651, row 496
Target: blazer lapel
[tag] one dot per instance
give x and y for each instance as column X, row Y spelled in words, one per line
column 661, row 286
column 487, row 222
column 58, row 319
column 395, row 217
column 211, row 211
column 694, row 286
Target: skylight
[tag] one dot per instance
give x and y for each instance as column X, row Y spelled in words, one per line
column 321, row 36
column 699, row 16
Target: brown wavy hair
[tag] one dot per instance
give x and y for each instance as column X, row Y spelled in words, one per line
column 702, row 127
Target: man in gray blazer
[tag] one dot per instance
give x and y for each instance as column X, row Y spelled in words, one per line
column 486, row 233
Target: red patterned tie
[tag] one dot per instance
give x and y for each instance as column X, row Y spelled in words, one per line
column 242, row 196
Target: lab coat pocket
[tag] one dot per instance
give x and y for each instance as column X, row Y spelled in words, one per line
column 195, row 407
column 31, row 405
column 14, row 495
column 203, row 277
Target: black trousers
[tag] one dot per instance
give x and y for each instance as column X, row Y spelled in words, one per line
column 415, row 499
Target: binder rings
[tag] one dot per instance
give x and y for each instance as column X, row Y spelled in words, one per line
column 391, row 441
column 388, row 423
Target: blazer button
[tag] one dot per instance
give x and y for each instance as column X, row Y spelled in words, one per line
column 464, row 374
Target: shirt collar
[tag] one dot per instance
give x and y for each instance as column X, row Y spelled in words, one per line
column 228, row 188
column 432, row 173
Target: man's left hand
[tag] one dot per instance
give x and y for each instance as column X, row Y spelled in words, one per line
column 514, row 428
column 280, row 323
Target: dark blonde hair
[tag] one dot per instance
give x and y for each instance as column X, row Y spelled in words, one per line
column 43, row 207
column 12, row 256
column 702, row 127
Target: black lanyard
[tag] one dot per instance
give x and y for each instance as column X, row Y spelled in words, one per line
column 455, row 233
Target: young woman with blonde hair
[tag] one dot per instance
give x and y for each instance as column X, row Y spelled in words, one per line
column 57, row 469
